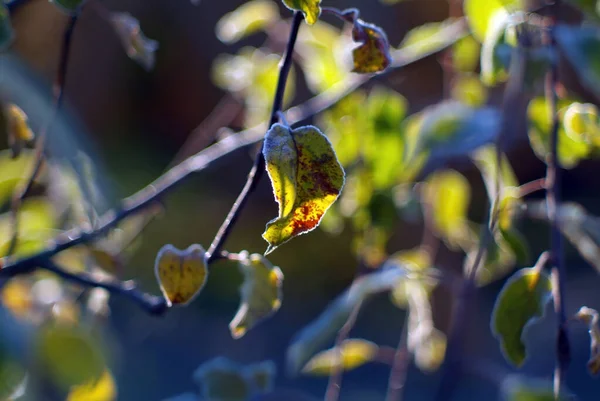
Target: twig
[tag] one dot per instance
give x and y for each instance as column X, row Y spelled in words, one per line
column 155, row 305
column 531, row 187
column 399, row 366
column 22, row 190
column 553, row 185
column 203, row 159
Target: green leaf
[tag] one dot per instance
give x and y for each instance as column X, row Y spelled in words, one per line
column 68, row 6
column 181, row 274
column 310, row 8
column 570, row 151
column 247, row 19
column 520, row 303
column 582, row 124
column 7, row 34
column 138, row 47
column 317, row 334
column 14, row 171
column 517, row 244
column 448, row 193
column 373, row 54
column 306, row 177
column 69, row 356
column 224, row 380
column 19, row 132
column 465, row 54
column 479, row 13
column 350, row 355
column 590, row 317
column 261, row 293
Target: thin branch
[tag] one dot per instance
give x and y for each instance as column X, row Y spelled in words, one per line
column 202, row 160
column 259, row 164
column 399, row 366
column 553, row 197
column 154, row 305
column 59, row 89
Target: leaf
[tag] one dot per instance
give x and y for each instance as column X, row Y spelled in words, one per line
column 103, row 389
column 69, row 356
column 465, row 54
column 247, row 19
column 310, row 8
column 181, row 274
column 581, row 123
column 224, row 380
column 468, row 89
column 7, row 34
column 14, row 171
column 138, row 47
column 426, row 37
column 480, row 12
column 417, row 262
column 19, row 132
column 306, row 177
column 313, row 337
column 448, row 193
column 373, row 54
column 495, row 53
column 590, row 317
column 261, row 293
column 520, row 303
column 351, row 354
column 68, row 6
column 570, row 152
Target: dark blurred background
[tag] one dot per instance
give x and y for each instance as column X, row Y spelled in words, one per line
column 136, row 121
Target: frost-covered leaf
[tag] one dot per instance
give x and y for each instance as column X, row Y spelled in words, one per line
column 570, row 151
column 247, row 19
column 138, row 47
column 261, row 293
column 69, row 356
column 349, row 355
column 590, row 317
column 306, row 177
column 373, row 53
column 181, row 274
column 225, row 380
column 479, row 13
column 520, row 303
column 103, row 389
column 310, row 8
column 317, row 334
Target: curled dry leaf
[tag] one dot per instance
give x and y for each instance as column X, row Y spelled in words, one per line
column 138, row 47
column 181, row 274
column 261, row 293
column 373, row 54
column 590, row 318
column 307, row 179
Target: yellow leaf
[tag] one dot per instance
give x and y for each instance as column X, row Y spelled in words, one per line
column 16, row 296
column 18, row 129
column 310, row 8
column 261, row 293
column 590, row 318
column 349, row 355
column 373, row 55
column 306, row 177
column 103, row 389
column 181, row 274
column 246, row 19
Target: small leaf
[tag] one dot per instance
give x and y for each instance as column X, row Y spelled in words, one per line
column 19, row 133
column 103, row 389
column 313, row 337
column 247, row 19
column 520, row 302
column 582, row 124
column 310, row 8
column 373, row 54
column 479, row 13
column 590, row 317
column 138, row 47
column 350, row 355
column 306, row 177
column 69, row 356
column 181, row 274
column 261, row 293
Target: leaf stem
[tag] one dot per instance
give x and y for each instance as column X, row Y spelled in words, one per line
column 258, row 168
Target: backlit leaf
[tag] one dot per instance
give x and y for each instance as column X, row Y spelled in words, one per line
column 465, row 54
column 373, row 53
column 19, row 132
column 181, row 274
column 469, row 90
column 312, row 338
column 103, row 389
column 69, row 356
column 480, row 12
column 590, row 318
column 350, row 355
column 247, row 19
column 14, row 171
column 306, row 177
column 520, row 303
column 310, row 8
column 582, row 124
column 261, row 293
column 138, row 47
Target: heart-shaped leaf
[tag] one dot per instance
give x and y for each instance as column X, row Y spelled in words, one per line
column 261, row 293
column 181, row 274
column 306, row 177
